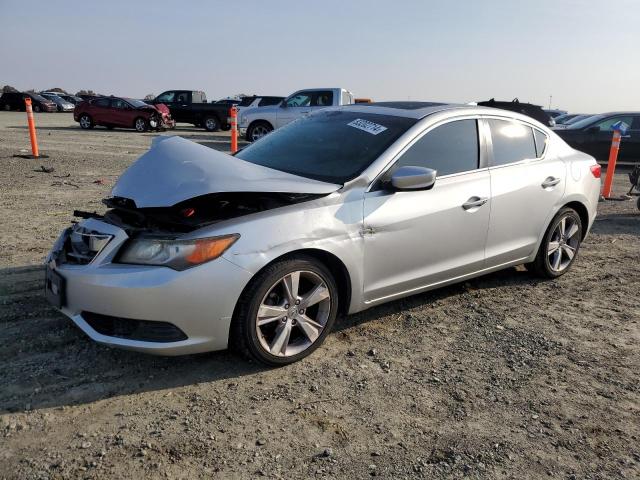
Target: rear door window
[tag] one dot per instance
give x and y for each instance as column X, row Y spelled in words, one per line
column 101, row 102
column 512, row 142
column 182, row 97
column 448, row 149
column 322, row 99
column 118, row 103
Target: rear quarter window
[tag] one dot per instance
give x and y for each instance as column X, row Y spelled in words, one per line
column 541, row 140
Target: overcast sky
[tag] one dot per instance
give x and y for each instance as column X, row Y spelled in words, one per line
column 584, row 53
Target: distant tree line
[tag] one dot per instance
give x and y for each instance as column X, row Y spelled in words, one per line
column 9, row 88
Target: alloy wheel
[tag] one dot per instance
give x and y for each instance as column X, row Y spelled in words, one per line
column 293, row 313
column 210, row 124
column 258, row 132
column 85, row 121
column 141, row 125
column 563, row 244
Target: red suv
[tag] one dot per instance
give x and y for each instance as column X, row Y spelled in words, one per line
column 113, row 112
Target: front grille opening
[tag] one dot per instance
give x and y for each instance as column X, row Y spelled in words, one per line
column 130, row 329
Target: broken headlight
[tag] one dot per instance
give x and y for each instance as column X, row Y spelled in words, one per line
column 176, row 254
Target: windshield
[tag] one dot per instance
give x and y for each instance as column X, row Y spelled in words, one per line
column 136, row 103
column 330, row 146
column 38, row 97
column 585, row 122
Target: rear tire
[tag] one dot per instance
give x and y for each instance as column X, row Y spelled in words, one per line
column 86, row 122
column 560, row 245
column 211, row 124
column 306, row 324
column 257, row 130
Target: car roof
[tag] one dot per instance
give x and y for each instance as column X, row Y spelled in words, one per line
column 608, row 114
column 402, row 108
column 420, row 110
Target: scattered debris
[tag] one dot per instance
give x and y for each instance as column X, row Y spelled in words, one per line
column 63, row 183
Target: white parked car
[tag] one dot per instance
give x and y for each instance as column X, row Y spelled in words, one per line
column 255, row 123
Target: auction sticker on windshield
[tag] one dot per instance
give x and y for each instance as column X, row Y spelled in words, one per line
column 367, row 126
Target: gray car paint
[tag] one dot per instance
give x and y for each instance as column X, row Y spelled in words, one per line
column 390, row 244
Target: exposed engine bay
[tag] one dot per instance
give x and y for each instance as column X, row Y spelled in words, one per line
column 194, row 213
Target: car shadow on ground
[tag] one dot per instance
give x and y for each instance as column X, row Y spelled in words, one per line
column 48, row 362
column 617, row 223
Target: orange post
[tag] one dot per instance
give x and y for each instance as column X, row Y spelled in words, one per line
column 234, row 129
column 611, row 166
column 32, row 128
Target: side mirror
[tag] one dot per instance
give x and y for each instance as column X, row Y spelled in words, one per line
column 413, row 178
column 593, row 130
column 283, row 104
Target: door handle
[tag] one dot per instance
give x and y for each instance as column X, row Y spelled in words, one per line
column 625, row 136
column 550, row 182
column 474, row 202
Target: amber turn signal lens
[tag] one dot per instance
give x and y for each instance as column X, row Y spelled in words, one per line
column 210, row 248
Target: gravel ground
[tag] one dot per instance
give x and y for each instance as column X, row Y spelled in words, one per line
column 504, row 376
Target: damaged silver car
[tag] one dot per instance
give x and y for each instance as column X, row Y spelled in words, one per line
column 344, row 209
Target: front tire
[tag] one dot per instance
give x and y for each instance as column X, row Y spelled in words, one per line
column 141, row 125
column 36, row 108
column 560, row 245
column 85, row 121
column 285, row 312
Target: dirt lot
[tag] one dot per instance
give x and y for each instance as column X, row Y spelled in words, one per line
column 501, row 377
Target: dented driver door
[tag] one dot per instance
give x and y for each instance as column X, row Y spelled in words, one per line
column 417, row 239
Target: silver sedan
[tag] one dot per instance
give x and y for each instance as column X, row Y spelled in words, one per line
column 341, row 210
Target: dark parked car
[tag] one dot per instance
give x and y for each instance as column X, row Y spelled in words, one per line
column 113, row 112
column 593, row 135
column 190, row 106
column 228, row 101
column 528, row 109
column 15, row 101
column 554, row 112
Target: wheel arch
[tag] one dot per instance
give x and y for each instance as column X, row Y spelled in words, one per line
column 332, row 262
column 583, row 213
column 260, row 120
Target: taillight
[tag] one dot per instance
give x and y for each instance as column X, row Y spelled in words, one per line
column 596, row 170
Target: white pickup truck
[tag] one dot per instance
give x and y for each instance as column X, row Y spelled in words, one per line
column 255, row 123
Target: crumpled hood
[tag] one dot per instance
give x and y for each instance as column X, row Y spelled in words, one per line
column 175, row 169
